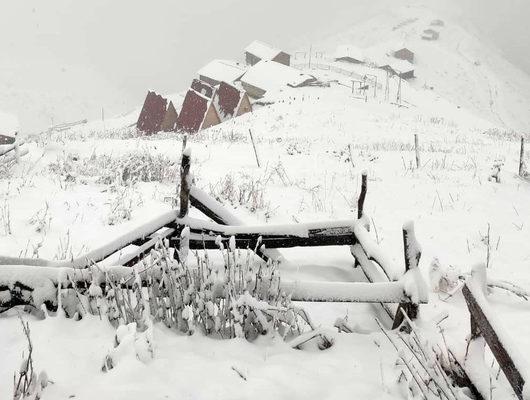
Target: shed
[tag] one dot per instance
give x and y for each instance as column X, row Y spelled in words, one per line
column 198, row 112
column 350, row 54
column 169, row 123
column 152, row 114
column 403, row 53
column 203, row 88
column 217, row 71
column 268, row 76
column 401, row 68
column 258, row 51
column 231, row 102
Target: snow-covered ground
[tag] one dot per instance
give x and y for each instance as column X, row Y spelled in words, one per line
column 67, row 197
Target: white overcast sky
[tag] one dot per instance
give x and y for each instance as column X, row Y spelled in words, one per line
column 65, row 59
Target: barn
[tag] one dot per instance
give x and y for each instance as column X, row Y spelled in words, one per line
column 198, row 112
column 349, row 54
column 152, row 114
column 403, row 53
column 217, row 71
column 258, row 51
column 231, row 102
column 267, row 76
column 401, row 68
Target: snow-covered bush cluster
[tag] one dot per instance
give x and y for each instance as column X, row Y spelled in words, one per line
column 240, row 297
column 104, row 169
column 242, row 190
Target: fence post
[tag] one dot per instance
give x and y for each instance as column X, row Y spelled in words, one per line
column 362, row 196
column 254, row 146
column 412, row 258
column 185, row 183
column 417, row 149
column 17, row 148
column 521, row 158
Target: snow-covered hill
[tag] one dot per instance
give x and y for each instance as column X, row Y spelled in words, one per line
column 69, row 195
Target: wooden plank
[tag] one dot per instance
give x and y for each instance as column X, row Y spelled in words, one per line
column 492, row 339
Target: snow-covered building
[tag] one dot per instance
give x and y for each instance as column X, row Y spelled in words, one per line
column 203, row 88
column 258, row 51
column 350, row 54
column 217, row 71
column 268, row 76
column 198, row 112
column 430, row 34
column 403, row 53
column 401, row 68
column 231, row 102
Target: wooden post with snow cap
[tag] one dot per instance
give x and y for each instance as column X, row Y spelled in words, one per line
column 362, row 195
column 412, row 252
column 185, row 183
column 521, row 158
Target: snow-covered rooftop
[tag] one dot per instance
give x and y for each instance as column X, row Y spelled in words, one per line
column 223, row 70
column 269, row 75
column 350, row 51
column 262, row 50
column 400, row 66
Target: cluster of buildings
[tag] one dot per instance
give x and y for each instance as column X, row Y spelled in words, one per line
column 400, row 62
column 223, row 89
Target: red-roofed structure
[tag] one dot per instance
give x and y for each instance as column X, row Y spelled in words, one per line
column 231, row 102
column 152, row 114
column 203, row 88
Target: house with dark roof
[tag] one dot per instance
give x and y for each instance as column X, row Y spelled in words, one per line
column 258, row 51
column 231, row 102
column 217, row 71
column 430, row 34
column 197, row 113
column 401, row 68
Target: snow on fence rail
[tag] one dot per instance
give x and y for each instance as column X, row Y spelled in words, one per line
column 386, row 282
column 485, row 323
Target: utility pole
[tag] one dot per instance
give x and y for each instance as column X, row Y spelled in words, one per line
column 310, row 52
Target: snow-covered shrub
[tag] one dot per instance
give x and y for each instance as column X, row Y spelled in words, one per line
column 241, row 190
column 125, row 169
column 124, row 199
column 27, row 384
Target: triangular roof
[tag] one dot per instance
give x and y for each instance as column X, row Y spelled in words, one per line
column 223, row 70
column 262, row 50
column 227, row 100
column 169, row 124
column 203, row 88
column 194, row 111
column 152, row 114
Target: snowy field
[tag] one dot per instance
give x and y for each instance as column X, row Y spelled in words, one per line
column 73, row 192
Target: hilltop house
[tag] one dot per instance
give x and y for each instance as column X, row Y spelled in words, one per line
column 403, row 53
column 231, row 102
column 430, row 34
column 258, row 51
column 217, row 71
column 198, row 112
column 350, row 54
column 268, row 76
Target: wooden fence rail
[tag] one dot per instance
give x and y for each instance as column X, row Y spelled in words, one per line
column 484, row 323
